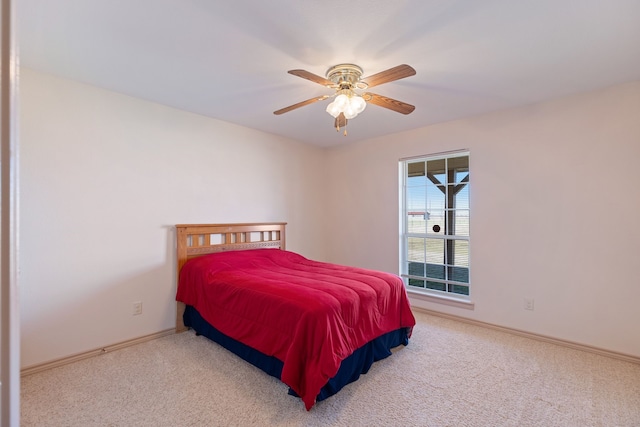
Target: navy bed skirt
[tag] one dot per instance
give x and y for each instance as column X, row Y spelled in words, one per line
column 350, row 369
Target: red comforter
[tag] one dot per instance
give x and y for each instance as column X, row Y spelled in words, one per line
column 308, row 314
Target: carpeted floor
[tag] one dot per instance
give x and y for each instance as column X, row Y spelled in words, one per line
column 450, row 374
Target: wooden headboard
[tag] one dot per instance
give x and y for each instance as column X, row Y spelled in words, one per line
column 194, row 240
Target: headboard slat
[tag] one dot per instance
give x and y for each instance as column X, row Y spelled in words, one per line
column 194, row 240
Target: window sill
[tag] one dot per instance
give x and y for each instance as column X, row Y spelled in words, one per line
column 442, row 299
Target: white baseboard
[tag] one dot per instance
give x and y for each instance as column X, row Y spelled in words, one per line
column 97, row 352
column 92, row 353
column 551, row 340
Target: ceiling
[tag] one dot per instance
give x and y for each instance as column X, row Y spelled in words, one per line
column 229, row 59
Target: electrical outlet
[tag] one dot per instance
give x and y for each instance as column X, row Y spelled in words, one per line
column 528, row 304
column 137, row 308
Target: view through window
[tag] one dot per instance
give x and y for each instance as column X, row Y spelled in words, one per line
column 435, row 224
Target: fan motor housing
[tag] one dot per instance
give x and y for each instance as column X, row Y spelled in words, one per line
column 345, row 76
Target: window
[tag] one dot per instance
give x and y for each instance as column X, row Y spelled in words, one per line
column 435, row 225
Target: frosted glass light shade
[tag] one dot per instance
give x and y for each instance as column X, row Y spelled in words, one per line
column 350, row 112
column 342, row 101
column 350, row 106
column 358, row 104
column 333, row 109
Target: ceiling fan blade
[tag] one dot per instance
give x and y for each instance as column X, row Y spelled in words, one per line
column 390, row 75
column 300, row 104
column 312, row 77
column 390, row 103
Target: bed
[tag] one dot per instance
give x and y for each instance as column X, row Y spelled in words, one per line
column 315, row 326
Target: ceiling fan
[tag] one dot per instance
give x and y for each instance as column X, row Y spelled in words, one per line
column 347, row 81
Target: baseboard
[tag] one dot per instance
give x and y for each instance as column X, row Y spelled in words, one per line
column 576, row 346
column 544, row 338
column 92, row 353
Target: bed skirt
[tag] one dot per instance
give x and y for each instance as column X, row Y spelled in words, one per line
column 350, row 369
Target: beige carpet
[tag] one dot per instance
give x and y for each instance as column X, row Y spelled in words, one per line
column 450, row 374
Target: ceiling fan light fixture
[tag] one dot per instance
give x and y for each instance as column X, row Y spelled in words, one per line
column 346, row 79
column 349, row 104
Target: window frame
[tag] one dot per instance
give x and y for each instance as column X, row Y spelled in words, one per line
column 446, row 295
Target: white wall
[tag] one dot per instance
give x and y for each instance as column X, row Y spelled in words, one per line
column 104, row 177
column 555, row 197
